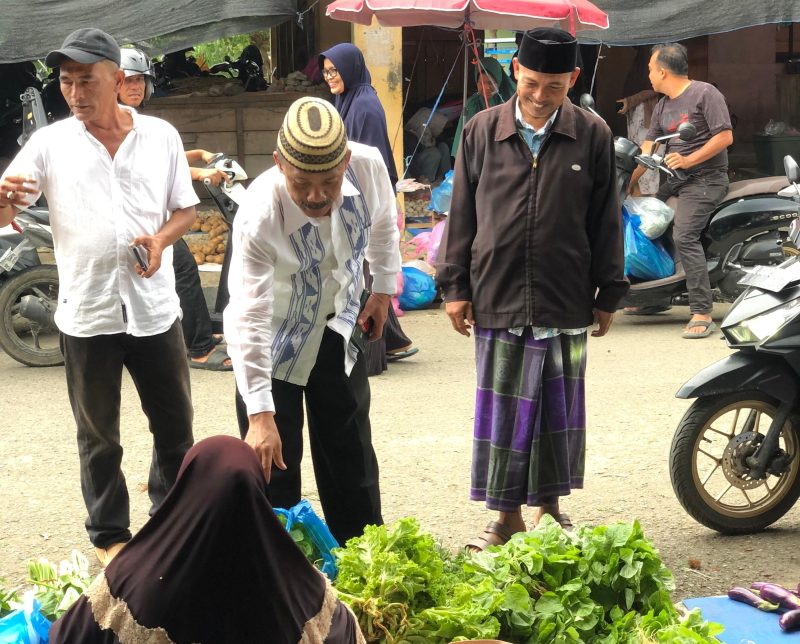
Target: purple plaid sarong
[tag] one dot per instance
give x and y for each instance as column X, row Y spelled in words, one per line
column 530, row 418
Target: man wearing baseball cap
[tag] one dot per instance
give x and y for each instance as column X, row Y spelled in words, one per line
column 531, row 258
column 113, row 179
column 294, row 320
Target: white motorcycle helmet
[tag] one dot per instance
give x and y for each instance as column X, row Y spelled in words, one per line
column 134, row 61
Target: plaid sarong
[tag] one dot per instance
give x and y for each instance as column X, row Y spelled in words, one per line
column 530, row 418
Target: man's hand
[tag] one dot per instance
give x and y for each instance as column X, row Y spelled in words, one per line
column 603, row 319
column 623, row 107
column 154, row 245
column 13, row 190
column 675, row 161
column 213, row 175
column 374, row 314
column 460, row 314
column 263, row 437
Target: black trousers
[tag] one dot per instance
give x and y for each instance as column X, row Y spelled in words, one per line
column 697, row 195
column 339, row 431
column 157, row 364
column 196, row 320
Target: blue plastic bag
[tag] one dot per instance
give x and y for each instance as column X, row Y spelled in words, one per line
column 317, row 531
column 419, row 289
column 26, row 625
column 644, row 259
column 442, row 194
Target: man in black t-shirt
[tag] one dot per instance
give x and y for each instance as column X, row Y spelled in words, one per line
column 704, row 159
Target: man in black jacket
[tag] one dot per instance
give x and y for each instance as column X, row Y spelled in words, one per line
column 532, row 256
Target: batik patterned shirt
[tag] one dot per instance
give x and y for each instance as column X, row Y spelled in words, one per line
column 292, row 276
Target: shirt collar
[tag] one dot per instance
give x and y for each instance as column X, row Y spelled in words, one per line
column 523, row 123
column 294, row 218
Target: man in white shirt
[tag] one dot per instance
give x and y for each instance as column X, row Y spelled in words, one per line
column 295, row 286
column 113, row 179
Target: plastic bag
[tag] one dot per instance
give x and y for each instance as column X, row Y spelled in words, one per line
column 317, row 531
column 644, row 258
column 419, row 245
column 419, row 289
column 654, row 215
column 435, row 242
column 442, row 194
column 26, row 625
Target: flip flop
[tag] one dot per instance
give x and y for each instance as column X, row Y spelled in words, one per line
column 708, row 328
column 399, row 354
column 564, row 521
column 217, row 338
column 494, row 534
column 214, row 362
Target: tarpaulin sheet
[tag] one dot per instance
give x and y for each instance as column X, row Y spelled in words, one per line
column 29, row 29
column 641, row 22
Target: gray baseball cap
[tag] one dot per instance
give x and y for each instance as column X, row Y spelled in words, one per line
column 86, row 46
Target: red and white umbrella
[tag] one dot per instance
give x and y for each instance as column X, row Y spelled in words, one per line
column 518, row 15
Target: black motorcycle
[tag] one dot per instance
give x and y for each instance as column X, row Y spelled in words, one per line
column 748, row 228
column 734, row 459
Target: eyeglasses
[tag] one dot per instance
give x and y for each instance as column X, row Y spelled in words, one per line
column 330, row 73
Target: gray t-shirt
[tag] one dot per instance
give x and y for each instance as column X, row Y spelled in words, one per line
column 703, row 106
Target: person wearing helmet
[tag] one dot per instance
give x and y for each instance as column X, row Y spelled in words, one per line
column 201, row 343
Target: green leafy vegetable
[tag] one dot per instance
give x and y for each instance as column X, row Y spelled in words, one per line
column 58, row 589
column 602, row 585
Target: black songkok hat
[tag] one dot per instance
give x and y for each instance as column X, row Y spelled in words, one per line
column 549, row 51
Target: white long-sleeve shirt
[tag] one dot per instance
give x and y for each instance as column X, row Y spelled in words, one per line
column 292, row 276
column 98, row 205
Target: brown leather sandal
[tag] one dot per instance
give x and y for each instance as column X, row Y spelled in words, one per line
column 494, row 534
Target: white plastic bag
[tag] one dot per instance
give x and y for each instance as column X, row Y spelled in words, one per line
column 654, row 215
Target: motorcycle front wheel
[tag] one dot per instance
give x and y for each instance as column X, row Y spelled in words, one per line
column 31, row 342
column 708, row 466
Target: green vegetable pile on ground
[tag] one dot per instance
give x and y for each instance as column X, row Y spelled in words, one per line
column 56, row 587
column 599, row 585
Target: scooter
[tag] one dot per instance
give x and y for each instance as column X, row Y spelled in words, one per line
column 748, row 228
column 735, row 456
column 28, row 288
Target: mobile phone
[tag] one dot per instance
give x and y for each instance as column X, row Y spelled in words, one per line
column 360, row 338
column 141, row 256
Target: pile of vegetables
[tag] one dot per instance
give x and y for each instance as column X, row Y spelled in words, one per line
column 56, row 587
column 772, row 598
column 210, row 248
column 599, row 585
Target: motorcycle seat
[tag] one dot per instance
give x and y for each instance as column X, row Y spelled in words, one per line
column 760, row 186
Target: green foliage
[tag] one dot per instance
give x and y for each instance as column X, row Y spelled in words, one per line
column 58, row 589
column 215, row 51
column 9, row 599
column 603, row 585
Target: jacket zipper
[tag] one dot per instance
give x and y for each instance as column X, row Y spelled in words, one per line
column 534, row 166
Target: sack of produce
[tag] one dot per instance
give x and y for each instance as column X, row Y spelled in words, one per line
column 644, row 258
column 311, row 535
column 419, row 289
column 442, row 194
column 654, row 215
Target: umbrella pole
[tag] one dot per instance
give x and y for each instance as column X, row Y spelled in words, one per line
column 466, row 72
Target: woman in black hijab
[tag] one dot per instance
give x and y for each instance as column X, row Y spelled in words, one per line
column 213, row 565
column 345, row 71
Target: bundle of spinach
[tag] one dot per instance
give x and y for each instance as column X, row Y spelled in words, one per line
column 600, row 585
column 303, row 541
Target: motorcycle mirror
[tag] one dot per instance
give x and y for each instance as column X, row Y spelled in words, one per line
column 791, row 168
column 687, row 131
column 587, row 102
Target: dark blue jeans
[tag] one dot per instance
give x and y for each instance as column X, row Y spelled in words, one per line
column 159, row 370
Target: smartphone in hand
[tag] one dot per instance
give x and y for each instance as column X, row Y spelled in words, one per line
column 141, row 256
column 360, row 338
